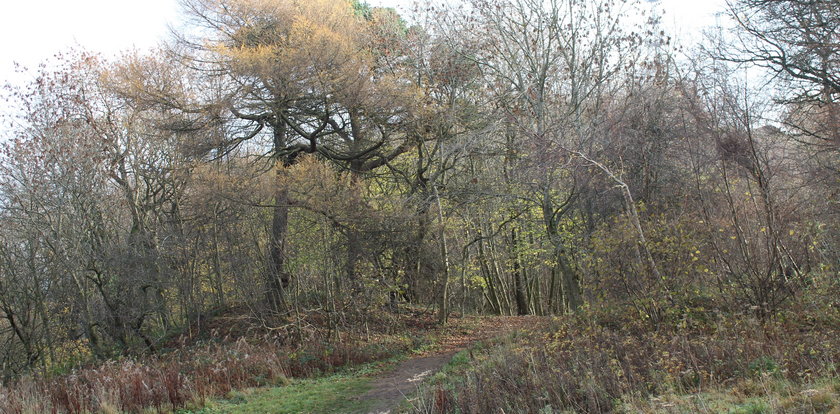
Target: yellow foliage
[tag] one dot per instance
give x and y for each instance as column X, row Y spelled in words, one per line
column 292, row 41
column 316, row 186
column 316, row 49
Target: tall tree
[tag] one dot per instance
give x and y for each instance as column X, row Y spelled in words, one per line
column 292, row 78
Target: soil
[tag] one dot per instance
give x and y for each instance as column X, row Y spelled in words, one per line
column 392, row 387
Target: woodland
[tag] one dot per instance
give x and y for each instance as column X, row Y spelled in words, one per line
column 288, row 187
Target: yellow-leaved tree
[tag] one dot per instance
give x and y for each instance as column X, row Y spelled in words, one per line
column 279, row 78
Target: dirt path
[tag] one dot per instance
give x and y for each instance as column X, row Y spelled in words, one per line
column 392, row 387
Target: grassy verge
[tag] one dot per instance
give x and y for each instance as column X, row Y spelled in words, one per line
column 332, row 394
column 336, row 393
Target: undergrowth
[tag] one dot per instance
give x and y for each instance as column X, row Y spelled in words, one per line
column 188, row 376
column 614, row 360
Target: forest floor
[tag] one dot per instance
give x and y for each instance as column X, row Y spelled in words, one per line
column 378, row 387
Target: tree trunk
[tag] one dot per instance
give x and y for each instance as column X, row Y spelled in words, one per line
column 493, row 297
column 571, row 288
column 414, row 264
column 444, row 251
column 518, row 283
column 354, row 254
column 277, row 278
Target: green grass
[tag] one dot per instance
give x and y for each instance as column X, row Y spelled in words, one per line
column 334, row 394
column 337, row 393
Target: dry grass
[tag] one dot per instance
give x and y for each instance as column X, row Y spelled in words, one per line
column 609, row 360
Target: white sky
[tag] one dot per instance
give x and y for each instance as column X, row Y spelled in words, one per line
column 32, row 31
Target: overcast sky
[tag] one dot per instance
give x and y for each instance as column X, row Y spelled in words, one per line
column 31, row 31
